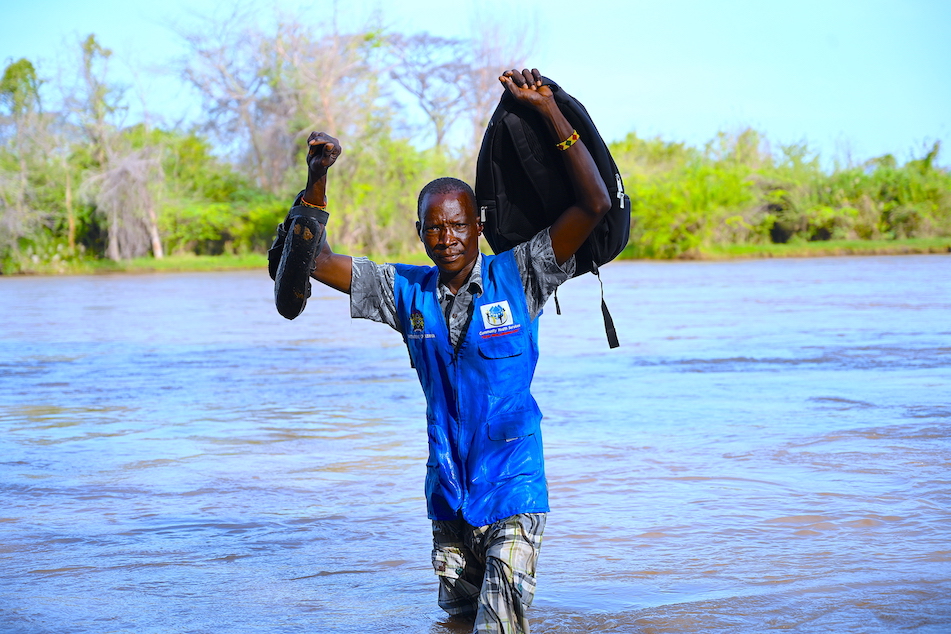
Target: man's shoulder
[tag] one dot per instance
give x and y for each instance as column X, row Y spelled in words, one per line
column 420, row 276
column 491, row 263
column 418, row 268
column 365, row 264
column 414, row 270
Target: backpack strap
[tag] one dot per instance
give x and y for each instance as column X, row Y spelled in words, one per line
column 536, row 171
column 609, row 329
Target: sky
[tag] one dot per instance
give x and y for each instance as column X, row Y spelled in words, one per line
column 853, row 79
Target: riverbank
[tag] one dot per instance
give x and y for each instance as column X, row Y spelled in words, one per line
column 179, row 263
column 824, row 248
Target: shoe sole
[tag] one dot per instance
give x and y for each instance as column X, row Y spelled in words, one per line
column 292, row 282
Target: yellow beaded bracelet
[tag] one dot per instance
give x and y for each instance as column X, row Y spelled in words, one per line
column 567, row 143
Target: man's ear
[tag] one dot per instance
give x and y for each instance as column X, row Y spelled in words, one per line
column 419, row 231
column 479, row 225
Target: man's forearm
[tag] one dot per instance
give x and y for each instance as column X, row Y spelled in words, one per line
column 592, row 195
column 316, row 191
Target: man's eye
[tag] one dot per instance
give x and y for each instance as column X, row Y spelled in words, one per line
column 432, row 231
column 459, row 226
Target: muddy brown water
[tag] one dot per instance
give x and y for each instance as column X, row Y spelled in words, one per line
column 768, row 450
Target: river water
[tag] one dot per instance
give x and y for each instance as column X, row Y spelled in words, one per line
column 768, row 450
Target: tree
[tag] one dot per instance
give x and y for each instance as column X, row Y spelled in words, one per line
column 264, row 89
column 123, row 181
column 435, row 70
column 99, row 102
column 20, row 98
column 126, row 192
column 495, row 46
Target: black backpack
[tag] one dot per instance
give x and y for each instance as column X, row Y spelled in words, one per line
column 522, row 185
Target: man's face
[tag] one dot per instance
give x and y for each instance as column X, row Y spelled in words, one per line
column 450, row 231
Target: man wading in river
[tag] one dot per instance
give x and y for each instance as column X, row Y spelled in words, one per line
column 470, row 324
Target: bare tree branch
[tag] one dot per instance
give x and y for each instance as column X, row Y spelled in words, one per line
column 125, row 192
column 265, row 90
column 436, row 72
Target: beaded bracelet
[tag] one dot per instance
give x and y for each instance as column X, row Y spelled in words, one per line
column 307, row 204
column 571, row 140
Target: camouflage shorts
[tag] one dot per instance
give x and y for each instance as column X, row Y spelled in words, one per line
column 488, row 571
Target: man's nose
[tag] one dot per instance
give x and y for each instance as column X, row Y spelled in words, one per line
column 447, row 235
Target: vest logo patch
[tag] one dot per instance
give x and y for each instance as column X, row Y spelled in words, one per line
column 498, row 320
column 417, row 321
column 497, row 314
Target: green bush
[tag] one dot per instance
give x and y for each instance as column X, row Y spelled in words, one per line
column 736, row 191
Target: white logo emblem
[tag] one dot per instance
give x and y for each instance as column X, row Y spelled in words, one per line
column 497, row 314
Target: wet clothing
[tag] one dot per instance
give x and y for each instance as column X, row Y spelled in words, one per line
column 485, row 453
column 475, row 355
column 398, row 294
column 488, row 572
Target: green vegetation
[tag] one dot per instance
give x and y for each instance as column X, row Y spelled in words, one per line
column 80, row 191
column 735, row 197
column 795, row 249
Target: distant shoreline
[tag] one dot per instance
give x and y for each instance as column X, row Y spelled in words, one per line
column 195, row 263
column 826, row 248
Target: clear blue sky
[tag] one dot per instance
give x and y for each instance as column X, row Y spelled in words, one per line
column 858, row 77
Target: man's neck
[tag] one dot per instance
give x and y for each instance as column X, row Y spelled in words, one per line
column 458, row 280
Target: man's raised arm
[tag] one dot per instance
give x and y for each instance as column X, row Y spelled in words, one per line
column 333, row 270
column 592, row 201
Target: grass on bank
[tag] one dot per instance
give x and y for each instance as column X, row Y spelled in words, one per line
column 186, row 262
column 798, row 249
column 178, row 263
column 794, row 249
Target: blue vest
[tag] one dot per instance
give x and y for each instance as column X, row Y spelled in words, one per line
column 485, row 444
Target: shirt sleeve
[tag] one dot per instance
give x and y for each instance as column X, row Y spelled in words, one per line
column 540, row 272
column 371, row 292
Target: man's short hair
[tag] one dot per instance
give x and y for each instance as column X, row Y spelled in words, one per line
column 444, row 185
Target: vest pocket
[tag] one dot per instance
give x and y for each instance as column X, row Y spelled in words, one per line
column 512, row 443
column 512, row 426
column 502, row 347
column 512, row 417
column 514, row 449
column 506, row 365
